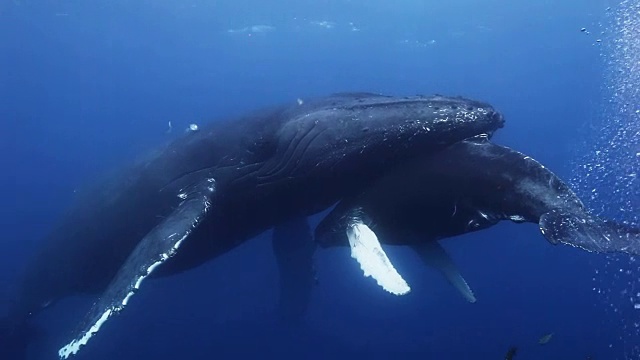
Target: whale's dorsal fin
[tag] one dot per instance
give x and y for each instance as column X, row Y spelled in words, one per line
column 160, row 244
column 433, row 254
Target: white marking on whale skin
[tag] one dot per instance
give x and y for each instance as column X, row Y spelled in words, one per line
column 138, row 282
column 117, row 306
column 126, row 299
column 73, row 347
column 530, row 159
column 368, row 252
column 154, row 266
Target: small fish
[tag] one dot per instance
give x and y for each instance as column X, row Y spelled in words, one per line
column 513, row 351
column 545, row 339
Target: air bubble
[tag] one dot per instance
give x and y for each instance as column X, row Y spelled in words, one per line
column 606, row 175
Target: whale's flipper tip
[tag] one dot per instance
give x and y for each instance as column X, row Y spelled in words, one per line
column 160, row 244
column 589, row 233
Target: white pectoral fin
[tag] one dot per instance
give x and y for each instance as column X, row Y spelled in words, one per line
column 433, row 254
column 160, row 244
column 366, row 249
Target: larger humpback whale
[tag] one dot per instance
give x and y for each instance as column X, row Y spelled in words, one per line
column 468, row 186
column 213, row 189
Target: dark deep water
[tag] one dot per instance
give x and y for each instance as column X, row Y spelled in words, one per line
column 85, row 86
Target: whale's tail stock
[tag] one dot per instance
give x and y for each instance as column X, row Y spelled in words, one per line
column 590, row 233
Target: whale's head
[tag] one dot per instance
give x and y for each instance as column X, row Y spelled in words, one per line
column 422, row 120
column 364, row 134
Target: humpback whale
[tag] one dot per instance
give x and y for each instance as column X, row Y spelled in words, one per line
column 469, row 186
column 210, row 190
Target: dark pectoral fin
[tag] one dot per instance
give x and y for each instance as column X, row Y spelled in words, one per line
column 589, row 233
column 155, row 248
column 433, row 254
column 294, row 247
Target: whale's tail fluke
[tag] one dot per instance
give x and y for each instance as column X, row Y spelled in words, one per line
column 590, row 233
column 15, row 338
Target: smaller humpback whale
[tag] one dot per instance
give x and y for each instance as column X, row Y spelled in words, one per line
column 212, row 189
column 469, row 186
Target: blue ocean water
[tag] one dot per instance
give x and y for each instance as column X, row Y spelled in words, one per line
column 87, row 86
